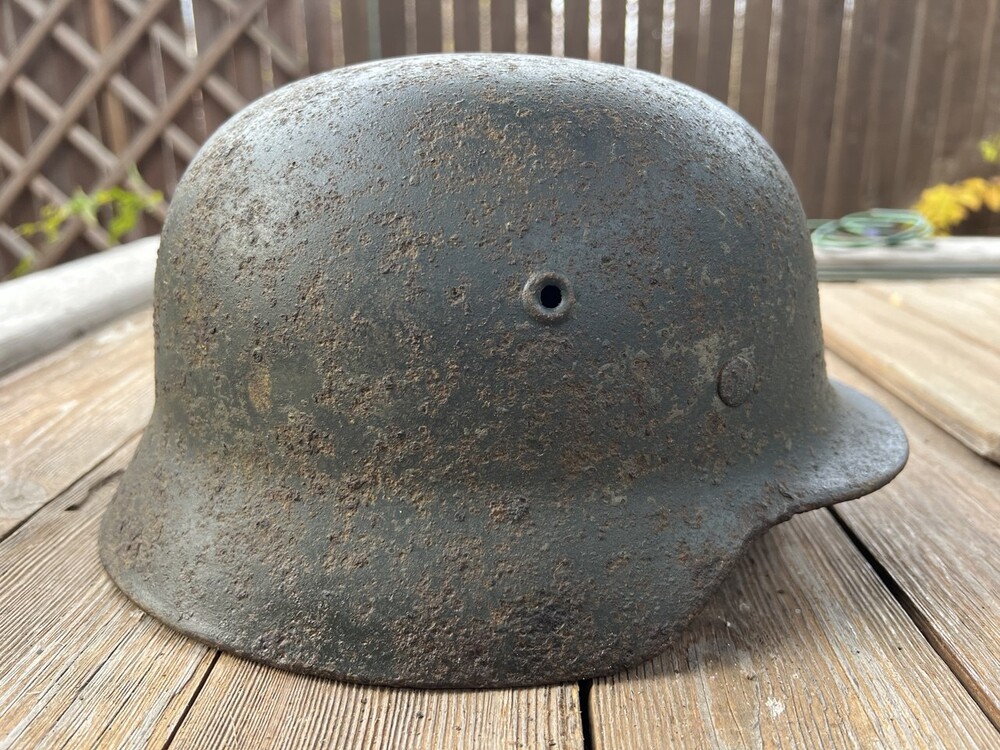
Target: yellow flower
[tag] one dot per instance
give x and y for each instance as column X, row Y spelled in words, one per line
column 991, row 195
column 970, row 193
column 941, row 206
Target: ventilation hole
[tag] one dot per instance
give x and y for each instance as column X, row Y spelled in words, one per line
column 550, row 296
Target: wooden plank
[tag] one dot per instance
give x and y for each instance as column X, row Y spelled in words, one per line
column 142, row 66
column 540, row 27
column 946, row 257
column 577, row 20
column 66, row 412
column 946, row 377
column 53, row 72
column 955, row 139
column 466, row 25
column 649, row 44
column 112, row 112
column 80, row 665
column 41, row 186
column 850, row 135
column 283, row 54
column 354, row 15
column 209, row 20
column 753, row 62
column 917, row 139
column 50, row 140
column 969, row 308
column 133, row 98
column 247, row 705
column 788, row 80
column 319, row 36
column 162, row 35
column 152, row 131
column 248, row 70
column 613, row 31
column 15, row 134
column 815, row 128
column 687, row 18
column 392, row 27
column 285, row 36
column 934, row 529
column 80, row 296
column 802, row 647
column 896, row 24
column 27, row 46
column 989, row 94
column 428, row 17
column 720, row 48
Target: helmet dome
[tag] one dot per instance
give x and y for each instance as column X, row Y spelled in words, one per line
column 478, row 370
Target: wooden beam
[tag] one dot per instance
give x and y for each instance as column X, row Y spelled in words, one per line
column 134, row 99
column 178, row 98
column 220, row 89
column 38, row 33
column 50, row 139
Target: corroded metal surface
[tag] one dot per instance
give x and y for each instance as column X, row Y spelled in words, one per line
column 478, row 371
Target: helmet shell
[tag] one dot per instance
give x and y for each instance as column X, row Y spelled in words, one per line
column 478, row 370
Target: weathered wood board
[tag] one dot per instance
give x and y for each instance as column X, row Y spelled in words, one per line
column 938, row 356
column 935, row 529
column 803, row 647
column 65, row 412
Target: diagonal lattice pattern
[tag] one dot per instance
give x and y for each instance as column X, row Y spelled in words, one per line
column 866, row 101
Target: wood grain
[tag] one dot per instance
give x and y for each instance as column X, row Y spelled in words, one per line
column 803, row 647
column 850, row 128
column 969, row 308
column 576, row 28
column 934, row 529
column 791, row 54
column 941, row 370
column 753, row 63
column 684, row 62
column 720, row 49
column 815, row 119
column 62, row 415
column 80, row 665
column 248, row 705
column 649, row 42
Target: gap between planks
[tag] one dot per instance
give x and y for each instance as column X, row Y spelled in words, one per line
column 933, row 530
column 62, row 414
column 81, row 665
column 942, row 369
column 102, row 620
column 802, row 647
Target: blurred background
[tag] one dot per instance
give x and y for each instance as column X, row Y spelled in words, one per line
column 868, row 102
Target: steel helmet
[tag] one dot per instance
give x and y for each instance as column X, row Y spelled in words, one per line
column 478, row 370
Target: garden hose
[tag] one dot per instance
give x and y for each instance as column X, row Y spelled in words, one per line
column 877, row 227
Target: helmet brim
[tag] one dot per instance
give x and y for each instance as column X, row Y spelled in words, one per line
column 521, row 593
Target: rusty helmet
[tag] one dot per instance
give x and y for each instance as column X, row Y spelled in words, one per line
column 478, row 370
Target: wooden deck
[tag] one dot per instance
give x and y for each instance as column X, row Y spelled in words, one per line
column 876, row 624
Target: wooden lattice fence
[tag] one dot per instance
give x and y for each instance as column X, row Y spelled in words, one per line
column 866, row 101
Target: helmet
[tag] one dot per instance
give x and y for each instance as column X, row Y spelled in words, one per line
column 478, row 370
